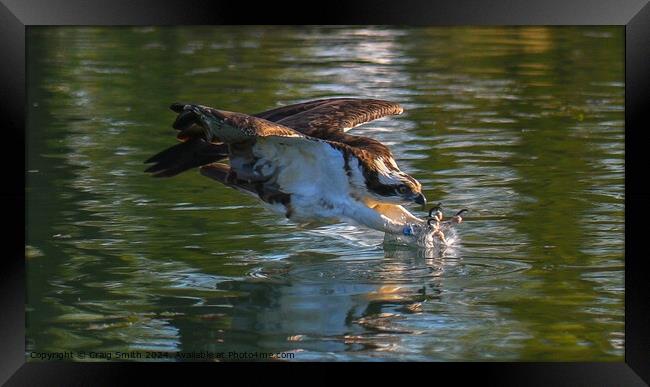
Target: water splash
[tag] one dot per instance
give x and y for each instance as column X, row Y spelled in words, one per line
column 428, row 242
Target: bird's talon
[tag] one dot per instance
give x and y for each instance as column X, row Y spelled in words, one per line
column 437, row 207
column 457, row 218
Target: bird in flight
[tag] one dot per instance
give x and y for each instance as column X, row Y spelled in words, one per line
column 299, row 161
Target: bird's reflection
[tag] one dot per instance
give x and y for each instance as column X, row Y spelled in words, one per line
column 331, row 306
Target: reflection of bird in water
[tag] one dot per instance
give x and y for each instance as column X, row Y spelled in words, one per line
column 325, row 306
column 299, row 161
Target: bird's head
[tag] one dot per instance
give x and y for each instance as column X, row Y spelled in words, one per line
column 387, row 183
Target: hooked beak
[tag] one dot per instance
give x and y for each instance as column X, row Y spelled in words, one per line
column 420, row 199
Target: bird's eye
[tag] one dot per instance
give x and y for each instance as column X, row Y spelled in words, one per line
column 402, row 189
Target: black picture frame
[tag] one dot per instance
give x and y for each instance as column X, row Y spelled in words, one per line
column 15, row 15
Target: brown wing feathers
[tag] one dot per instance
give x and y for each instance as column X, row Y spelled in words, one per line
column 285, row 111
column 325, row 119
column 334, row 116
column 250, row 126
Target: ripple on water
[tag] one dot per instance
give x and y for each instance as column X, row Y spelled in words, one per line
column 388, row 270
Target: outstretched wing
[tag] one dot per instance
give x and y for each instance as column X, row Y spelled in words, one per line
column 303, row 125
column 327, row 118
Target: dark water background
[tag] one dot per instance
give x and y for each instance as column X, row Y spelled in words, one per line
column 523, row 126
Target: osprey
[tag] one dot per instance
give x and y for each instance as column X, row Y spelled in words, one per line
column 299, row 161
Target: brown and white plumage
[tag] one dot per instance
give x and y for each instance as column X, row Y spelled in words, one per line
column 299, row 160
